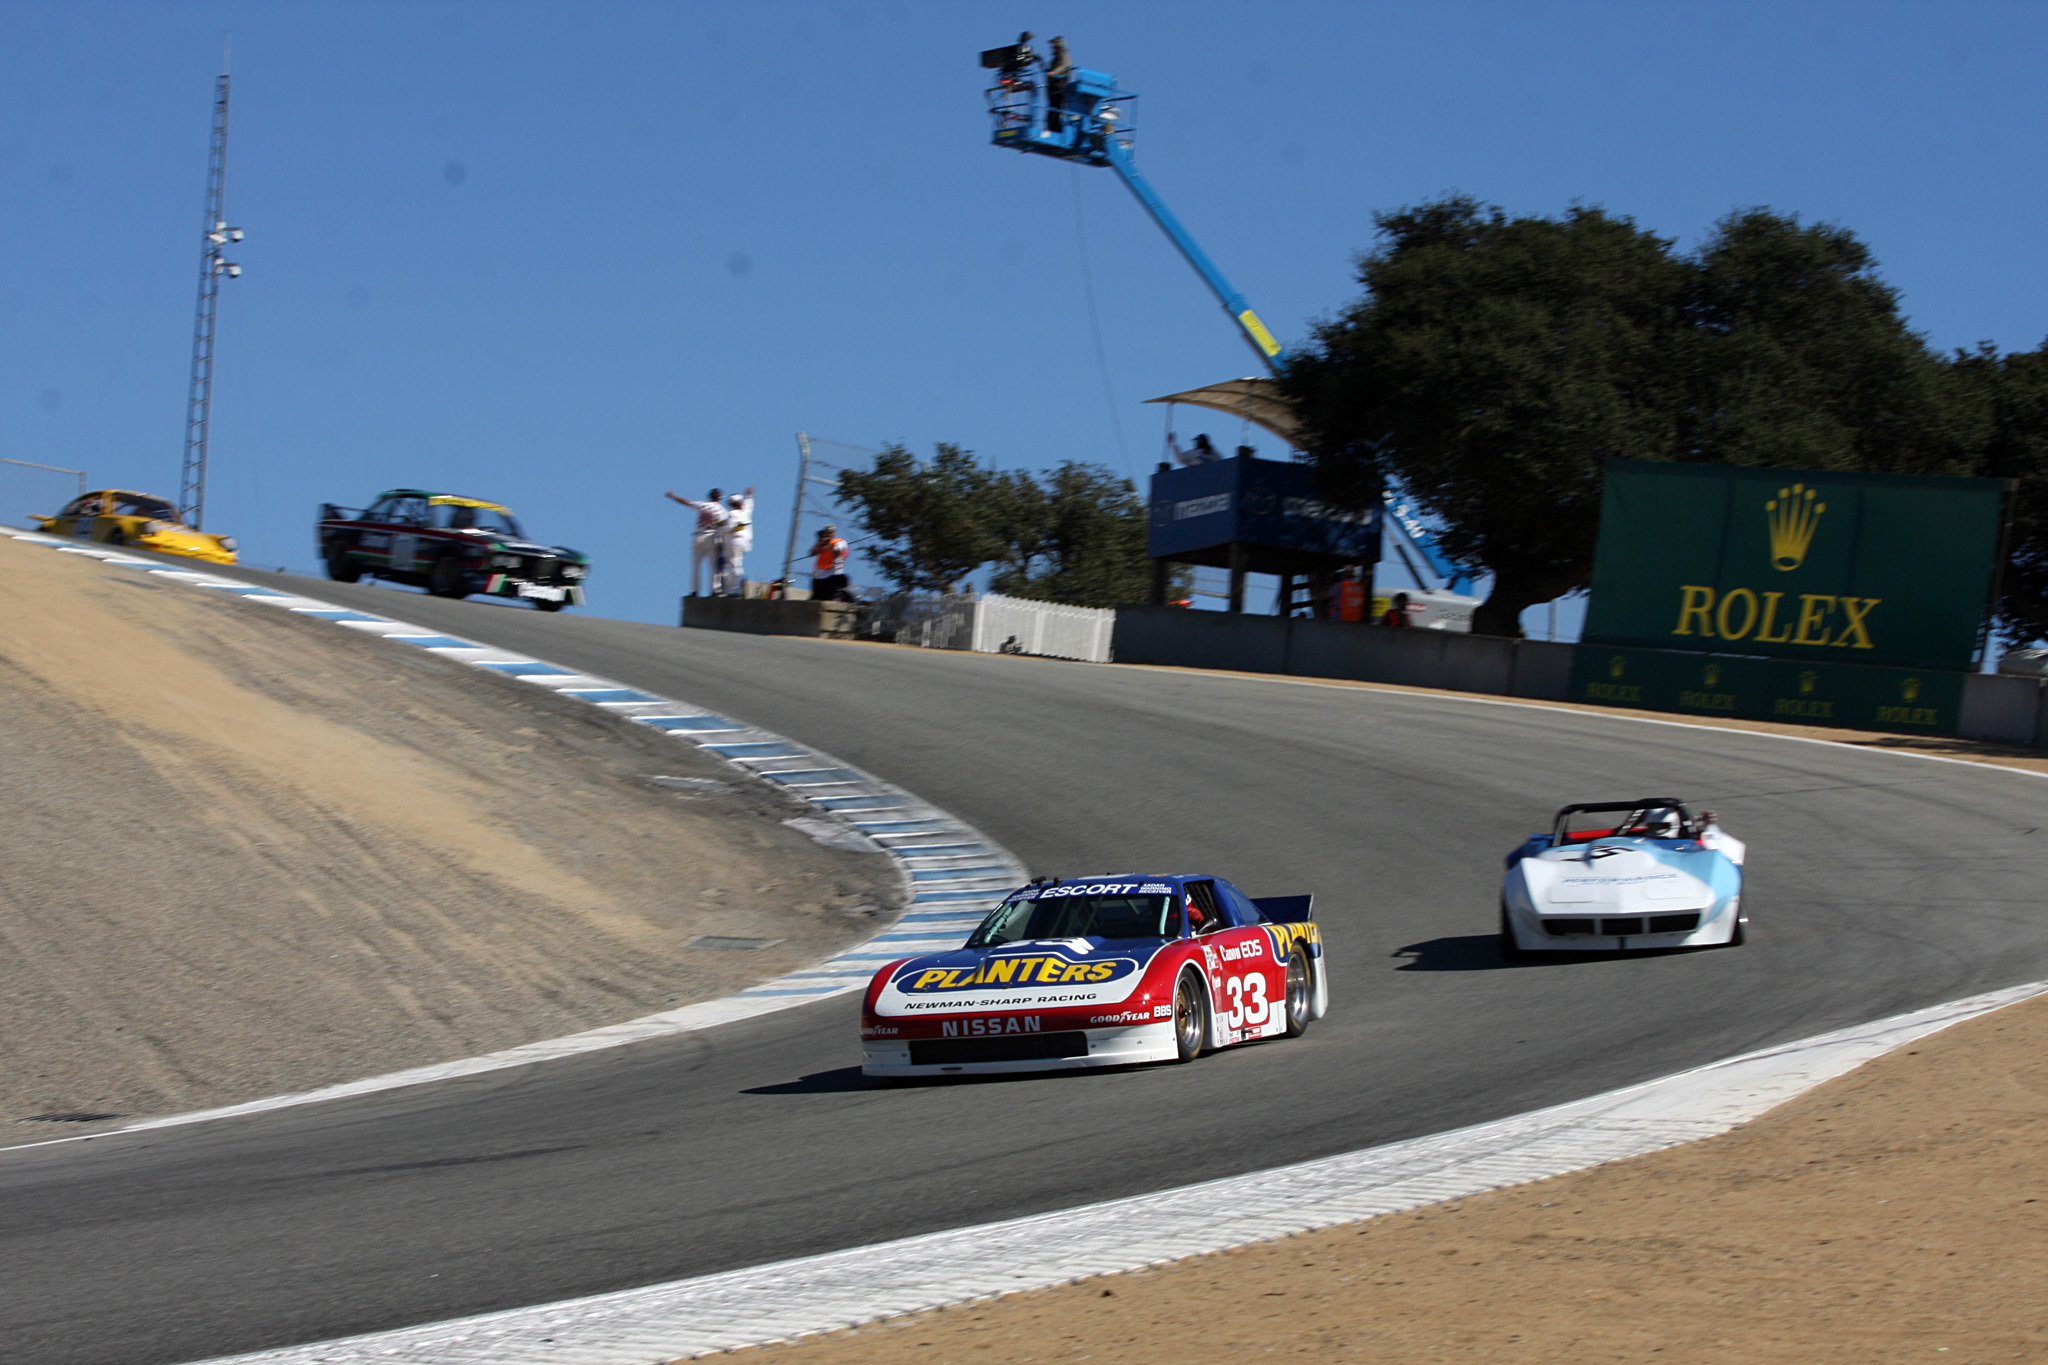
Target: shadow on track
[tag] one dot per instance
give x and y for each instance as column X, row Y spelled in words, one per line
column 848, row 1080
column 1465, row 953
column 1483, row 953
column 838, row 1081
column 1479, row 953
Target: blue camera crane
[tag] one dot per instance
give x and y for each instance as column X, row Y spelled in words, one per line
column 1080, row 115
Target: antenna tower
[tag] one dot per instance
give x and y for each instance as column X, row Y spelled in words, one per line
column 212, row 265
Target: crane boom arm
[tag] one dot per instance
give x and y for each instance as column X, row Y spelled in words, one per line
column 1456, row 578
column 1234, row 303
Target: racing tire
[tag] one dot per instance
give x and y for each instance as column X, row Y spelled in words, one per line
column 1190, row 1017
column 1510, row 949
column 114, row 537
column 1741, row 934
column 340, row 567
column 1301, row 992
column 546, row 605
column 446, row 579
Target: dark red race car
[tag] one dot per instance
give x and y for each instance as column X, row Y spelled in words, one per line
column 451, row 546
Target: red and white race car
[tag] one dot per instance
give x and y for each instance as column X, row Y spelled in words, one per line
column 1100, row 971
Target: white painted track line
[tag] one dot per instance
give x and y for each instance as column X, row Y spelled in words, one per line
column 815, row 1294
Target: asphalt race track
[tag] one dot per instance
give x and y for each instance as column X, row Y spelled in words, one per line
column 1876, row 884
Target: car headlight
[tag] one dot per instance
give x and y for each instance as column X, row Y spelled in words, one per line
column 573, row 571
column 225, row 542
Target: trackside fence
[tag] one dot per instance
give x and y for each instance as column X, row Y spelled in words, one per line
column 994, row 624
column 1015, row 625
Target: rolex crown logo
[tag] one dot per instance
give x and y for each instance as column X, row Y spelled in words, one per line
column 1910, row 689
column 1617, row 666
column 1711, row 675
column 1808, row 681
column 1793, row 515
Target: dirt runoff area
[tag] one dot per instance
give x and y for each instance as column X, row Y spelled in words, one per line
column 246, row 852
column 1899, row 1213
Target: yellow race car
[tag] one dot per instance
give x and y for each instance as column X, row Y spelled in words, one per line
column 114, row 516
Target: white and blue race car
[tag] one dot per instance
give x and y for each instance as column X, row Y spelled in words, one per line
column 1615, row 875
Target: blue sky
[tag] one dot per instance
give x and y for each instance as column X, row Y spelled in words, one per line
column 568, row 256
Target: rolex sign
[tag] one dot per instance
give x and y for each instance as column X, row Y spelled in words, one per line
column 1875, row 569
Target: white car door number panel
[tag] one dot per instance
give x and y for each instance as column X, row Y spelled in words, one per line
column 1248, row 1004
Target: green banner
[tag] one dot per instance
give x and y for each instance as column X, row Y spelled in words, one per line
column 1911, row 701
column 1887, row 569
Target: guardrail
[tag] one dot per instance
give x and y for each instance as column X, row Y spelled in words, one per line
column 2002, row 709
column 1538, row 669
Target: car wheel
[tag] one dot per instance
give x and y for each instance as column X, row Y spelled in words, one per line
column 340, row 567
column 115, row 537
column 546, row 605
column 1510, row 949
column 1301, row 986
column 446, row 579
column 1190, row 1017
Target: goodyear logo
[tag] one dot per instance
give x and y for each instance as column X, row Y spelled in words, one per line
column 1017, row 969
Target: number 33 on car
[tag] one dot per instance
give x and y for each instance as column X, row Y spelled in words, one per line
column 1100, row 971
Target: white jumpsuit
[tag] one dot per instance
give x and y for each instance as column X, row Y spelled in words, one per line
column 711, row 520
column 738, row 532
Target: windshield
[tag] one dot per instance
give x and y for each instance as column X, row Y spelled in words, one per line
column 1078, row 917
column 143, row 505
column 457, row 517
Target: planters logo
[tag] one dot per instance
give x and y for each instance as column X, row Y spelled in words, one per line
column 1021, row 969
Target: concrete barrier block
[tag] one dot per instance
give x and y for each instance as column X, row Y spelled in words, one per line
column 759, row 616
column 1329, row 649
column 1180, row 638
column 1542, row 670
column 1459, row 663
column 2001, row 707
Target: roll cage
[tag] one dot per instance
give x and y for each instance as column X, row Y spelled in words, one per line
column 1639, row 818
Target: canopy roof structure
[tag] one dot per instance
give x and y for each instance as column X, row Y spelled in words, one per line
column 1258, row 401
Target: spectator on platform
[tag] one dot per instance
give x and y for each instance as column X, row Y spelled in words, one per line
column 704, row 541
column 736, row 537
column 1059, row 71
column 1347, row 597
column 828, row 566
column 1201, row 452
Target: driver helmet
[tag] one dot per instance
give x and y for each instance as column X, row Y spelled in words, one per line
column 1660, row 823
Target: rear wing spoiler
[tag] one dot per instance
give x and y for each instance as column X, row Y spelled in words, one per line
column 1286, row 909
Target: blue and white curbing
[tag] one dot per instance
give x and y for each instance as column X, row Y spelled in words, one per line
column 954, row 873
